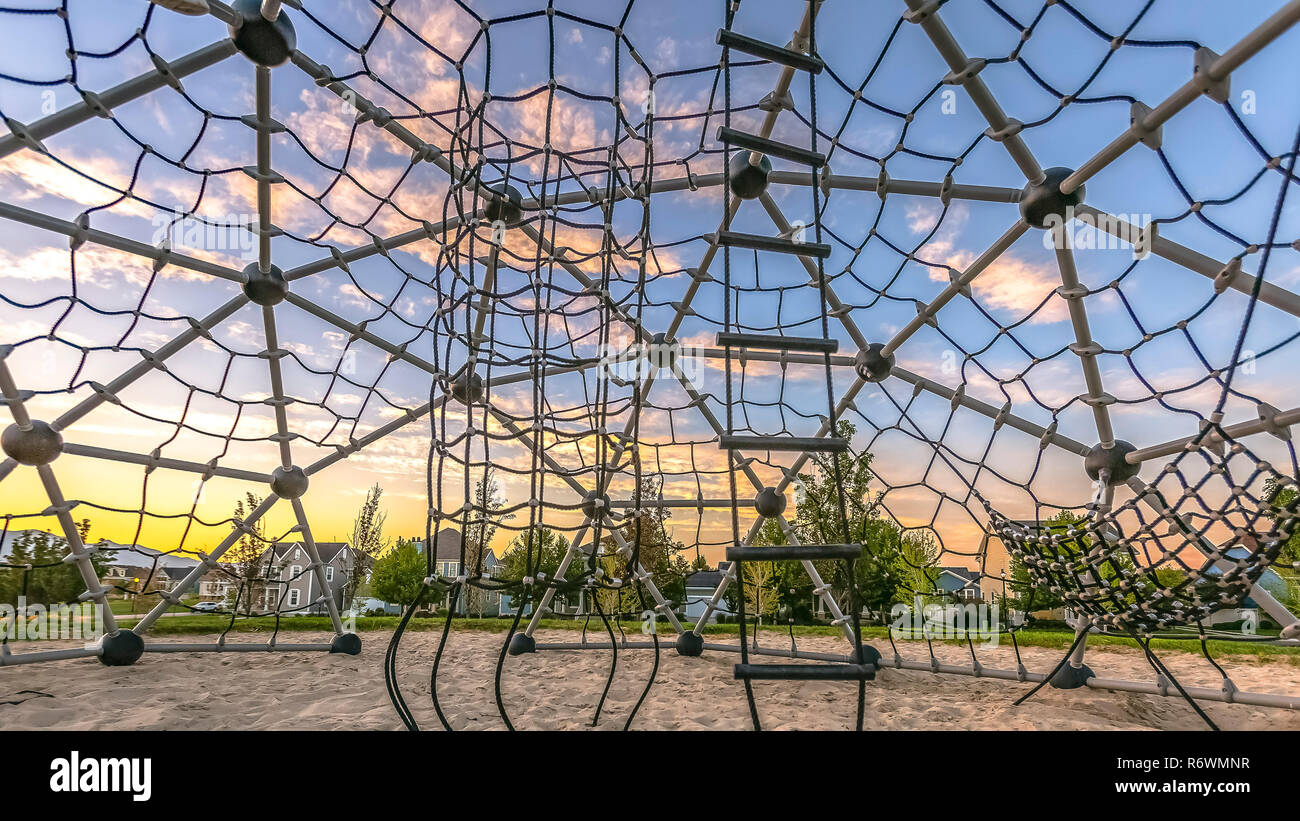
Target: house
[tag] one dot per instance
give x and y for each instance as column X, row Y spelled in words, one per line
column 215, row 584
column 700, row 587
column 291, row 586
column 960, row 582
column 127, row 568
column 1248, row 610
column 446, row 563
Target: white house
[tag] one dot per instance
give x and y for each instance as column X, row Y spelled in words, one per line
column 700, row 587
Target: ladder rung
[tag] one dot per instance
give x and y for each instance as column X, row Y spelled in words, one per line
column 778, row 343
column 759, row 242
column 775, row 54
column 772, row 148
column 806, row 672
column 793, row 552
column 813, row 444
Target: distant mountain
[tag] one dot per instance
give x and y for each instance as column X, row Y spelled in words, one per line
column 138, row 555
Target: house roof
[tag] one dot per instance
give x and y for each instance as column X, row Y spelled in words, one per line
column 117, row 555
column 448, row 546
column 328, row 550
column 709, row 579
column 965, row 574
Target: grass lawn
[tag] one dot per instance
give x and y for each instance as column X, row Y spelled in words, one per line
column 122, row 607
column 1060, row 639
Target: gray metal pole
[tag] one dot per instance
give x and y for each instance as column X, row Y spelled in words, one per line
column 102, row 104
column 317, row 566
column 210, row 561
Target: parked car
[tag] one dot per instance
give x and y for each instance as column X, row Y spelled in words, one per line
column 207, row 607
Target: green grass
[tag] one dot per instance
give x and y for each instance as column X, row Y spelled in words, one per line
column 1054, row 639
column 122, row 607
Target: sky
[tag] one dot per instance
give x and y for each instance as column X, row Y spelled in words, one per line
column 76, row 316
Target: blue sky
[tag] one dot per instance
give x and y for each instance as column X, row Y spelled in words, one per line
column 1203, row 147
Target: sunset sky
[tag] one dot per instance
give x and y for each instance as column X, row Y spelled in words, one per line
column 80, row 316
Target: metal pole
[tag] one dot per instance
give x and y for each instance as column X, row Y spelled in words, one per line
column 80, row 234
column 153, row 460
column 1247, row 47
column 1084, row 346
column 560, row 572
column 102, row 104
column 264, row 160
column 192, row 578
column 317, row 566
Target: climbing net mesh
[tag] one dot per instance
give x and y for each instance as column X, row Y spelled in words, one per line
column 424, row 241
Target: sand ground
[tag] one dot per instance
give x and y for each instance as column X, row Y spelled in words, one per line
column 559, row 690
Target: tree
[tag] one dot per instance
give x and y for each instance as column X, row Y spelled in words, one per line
column 488, row 503
column 818, row 517
column 367, row 543
column 1283, row 499
column 250, row 560
column 51, row 580
column 398, row 575
column 762, row 594
column 892, row 564
column 657, row 552
column 548, row 549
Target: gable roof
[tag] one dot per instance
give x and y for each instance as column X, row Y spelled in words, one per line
column 963, row 573
column 709, row 579
column 328, row 550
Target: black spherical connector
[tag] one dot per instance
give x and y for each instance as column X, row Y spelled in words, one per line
column 872, row 365
column 266, row 42
column 690, row 643
column 467, row 388
column 869, row 655
column 749, row 181
column 348, row 643
column 769, row 503
column 592, row 510
column 38, row 445
column 265, row 287
column 664, row 353
column 289, row 483
column 1070, row 677
column 1043, row 201
column 504, row 204
column 121, row 649
column 1112, row 461
column 521, row 643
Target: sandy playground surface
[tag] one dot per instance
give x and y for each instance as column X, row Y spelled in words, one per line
column 555, row 690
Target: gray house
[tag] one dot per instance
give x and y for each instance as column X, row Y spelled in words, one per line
column 446, row 563
column 961, row 582
column 294, row 587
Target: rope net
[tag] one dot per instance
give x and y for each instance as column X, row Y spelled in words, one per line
column 456, row 245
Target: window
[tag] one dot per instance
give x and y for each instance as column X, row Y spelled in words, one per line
column 294, row 595
column 295, row 572
column 329, row 573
